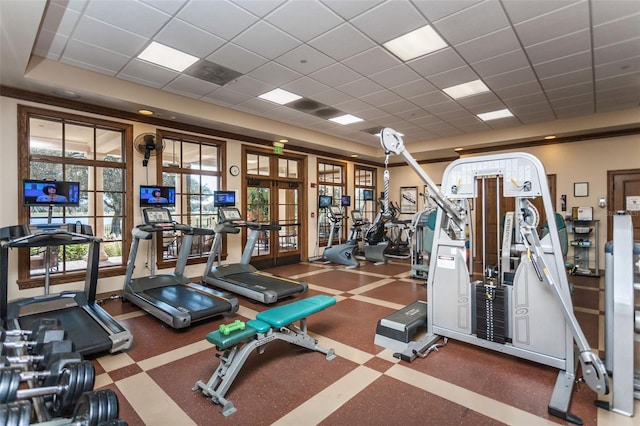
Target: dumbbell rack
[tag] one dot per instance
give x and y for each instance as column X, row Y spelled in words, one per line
column 622, row 320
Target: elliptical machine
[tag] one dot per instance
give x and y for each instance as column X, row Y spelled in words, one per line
column 344, row 254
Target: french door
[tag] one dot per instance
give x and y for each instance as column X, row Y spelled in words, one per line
column 274, row 198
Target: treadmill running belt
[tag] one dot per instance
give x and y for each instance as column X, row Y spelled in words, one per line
column 200, row 305
column 87, row 335
column 260, row 282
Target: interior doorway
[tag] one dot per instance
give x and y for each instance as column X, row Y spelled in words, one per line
column 624, row 195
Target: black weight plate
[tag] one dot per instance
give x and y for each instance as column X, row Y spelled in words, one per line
column 15, row 414
column 68, row 380
column 113, row 407
column 9, row 384
column 89, row 377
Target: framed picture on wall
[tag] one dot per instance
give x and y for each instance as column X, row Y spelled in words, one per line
column 408, row 199
column 581, row 189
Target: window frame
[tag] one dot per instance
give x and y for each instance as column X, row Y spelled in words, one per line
column 370, row 213
column 323, row 222
column 25, row 114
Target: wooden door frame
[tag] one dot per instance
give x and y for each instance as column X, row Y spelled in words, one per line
column 610, row 196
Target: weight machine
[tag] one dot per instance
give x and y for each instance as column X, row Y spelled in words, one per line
column 533, row 301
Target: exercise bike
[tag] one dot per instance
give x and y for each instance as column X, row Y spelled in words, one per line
column 343, row 254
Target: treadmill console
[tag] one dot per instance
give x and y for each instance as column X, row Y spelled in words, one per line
column 356, row 215
column 157, row 216
column 229, row 214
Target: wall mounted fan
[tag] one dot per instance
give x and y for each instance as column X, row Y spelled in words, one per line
column 145, row 144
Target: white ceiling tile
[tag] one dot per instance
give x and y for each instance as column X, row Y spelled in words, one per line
column 627, row 66
column 221, row 18
column 535, row 114
column 260, row 8
column 567, row 20
column 361, row 87
column 479, row 99
column 488, row 46
column 425, row 100
column 513, row 60
column 407, row 114
column 304, row 20
column 266, row 40
column 564, row 65
column 503, row 123
column 510, row 78
column 251, row 86
column 349, row 9
column 274, row 74
column 305, row 87
column 372, row 114
column 570, row 91
column 437, row 9
column 305, row 59
column 226, row 96
column 518, row 90
column 93, row 57
column 342, row 42
column 613, row 10
column 475, row 21
column 254, row 105
column 396, row 76
column 453, row 77
column 98, row 33
column 616, row 52
column 147, row 73
column 523, row 10
column 536, row 98
column 413, row 88
column 139, row 18
column 236, row 58
column 168, row 6
column 398, row 107
column 331, row 97
column 378, row 99
column 372, row 61
column 335, row 75
column 436, row 62
column 442, row 107
column 574, row 110
column 570, row 44
column 610, row 33
column 352, row 106
column 378, row 22
column 190, row 86
column 188, row 38
column 610, row 100
column 568, row 79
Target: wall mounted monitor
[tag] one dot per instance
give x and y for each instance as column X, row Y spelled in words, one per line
column 224, row 198
column 345, row 200
column 152, row 195
column 50, row 192
column 324, row 201
column 367, row 194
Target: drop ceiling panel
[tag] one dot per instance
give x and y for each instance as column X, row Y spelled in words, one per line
column 305, row 86
column 361, row 87
column 304, row 59
column 335, row 75
column 260, row 8
column 60, row 20
column 436, row 62
column 566, row 20
column 93, row 57
column 227, row 96
column 409, row 90
column 349, row 9
column 559, row 47
column 147, row 73
column 518, row 11
column 513, row 60
column 251, row 86
column 485, row 47
column 266, row 40
column 221, row 18
column 616, row 52
column 372, row 22
column 190, row 86
column 188, row 38
column 274, row 74
column 560, row 66
column 304, row 20
column 98, row 33
column 139, row 18
column 437, row 9
column 236, row 58
column 395, row 76
column 613, row 32
column 453, row 77
column 168, row 6
column 470, row 23
column 342, row 42
column 372, row 61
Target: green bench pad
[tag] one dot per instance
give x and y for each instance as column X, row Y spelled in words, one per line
column 286, row 314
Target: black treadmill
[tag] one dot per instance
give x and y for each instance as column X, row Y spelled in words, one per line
column 172, row 298
column 243, row 278
column 91, row 328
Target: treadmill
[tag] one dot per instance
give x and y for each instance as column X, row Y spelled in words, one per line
column 91, row 328
column 172, row 298
column 243, row 278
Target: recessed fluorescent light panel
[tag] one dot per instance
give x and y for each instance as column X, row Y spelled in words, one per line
column 167, row 57
column 416, row 43
column 279, row 96
column 346, row 119
column 494, row 115
column 466, row 89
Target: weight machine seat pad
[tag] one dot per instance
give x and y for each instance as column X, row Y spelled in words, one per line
column 284, row 315
column 223, row 341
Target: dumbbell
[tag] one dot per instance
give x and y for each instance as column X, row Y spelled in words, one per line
column 97, row 408
column 42, row 323
column 42, row 357
column 16, row 413
column 74, row 379
column 40, row 337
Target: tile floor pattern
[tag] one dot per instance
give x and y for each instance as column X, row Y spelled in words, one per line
column 363, row 385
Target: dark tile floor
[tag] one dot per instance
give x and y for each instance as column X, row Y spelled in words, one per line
column 363, row 385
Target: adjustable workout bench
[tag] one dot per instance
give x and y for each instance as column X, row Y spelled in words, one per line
column 237, row 340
